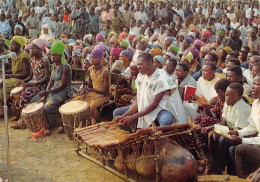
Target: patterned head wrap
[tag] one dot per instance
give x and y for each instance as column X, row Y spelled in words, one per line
column 205, row 49
column 58, row 48
column 160, row 59
column 41, row 43
column 207, row 34
column 156, row 51
column 122, row 35
column 100, row 37
column 188, row 56
column 227, row 49
column 114, row 39
column 64, row 35
column 112, row 34
column 129, row 53
column 124, row 43
column 115, row 51
column 20, row 40
column 88, row 37
column 131, row 37
column 174, row 49
column 188, row 39
column 171, row 55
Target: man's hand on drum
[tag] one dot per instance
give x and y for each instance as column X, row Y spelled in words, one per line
column 85, row 90
column 43, row 94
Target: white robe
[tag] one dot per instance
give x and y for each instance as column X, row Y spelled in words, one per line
column 148, row 87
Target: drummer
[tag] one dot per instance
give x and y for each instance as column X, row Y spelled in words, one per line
column 20, row 67
column 58, row 89
column 97, row 92
column 39, row 76
column 157, row 100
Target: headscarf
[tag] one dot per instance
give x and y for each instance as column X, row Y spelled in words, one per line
column 20, row 40
column 45, row 26
column 89, row 37
column 115, row 51
column 188, row 39
column 100, row 36
column 205, row 49
column 114, row 39
column 208, row 35
column 64, row 35
column 195, row 53
column 171, row 55
column 97, row 52
column 227, row 49
column 78, row 47
column 174, row 49
column 220, row 33
column 58, row 48
column 113, row 33
column 71, row 41
column 19, row 26
column 158, row 44
column 188, row 56
column 122, row 35
column 193, row 34
column 160, row 59
column 124, row 43
column 171, row 39
column 156, row 51
column 129, row 53
column 77, row 52
column 41, row 43
column 198, row 43
column 130, row 37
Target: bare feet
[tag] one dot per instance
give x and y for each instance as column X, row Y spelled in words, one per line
column 19, row 126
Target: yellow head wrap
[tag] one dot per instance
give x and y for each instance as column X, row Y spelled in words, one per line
column 20, row 40
column 188, row 56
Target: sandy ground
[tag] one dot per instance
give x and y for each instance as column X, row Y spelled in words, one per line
column 48, row 159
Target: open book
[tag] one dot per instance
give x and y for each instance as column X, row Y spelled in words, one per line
column 222, row 130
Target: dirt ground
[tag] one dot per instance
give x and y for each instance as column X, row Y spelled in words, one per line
column 48, row 159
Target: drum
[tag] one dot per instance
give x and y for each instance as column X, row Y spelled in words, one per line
column 16, row 93
column 33, row 116
column 72, row 114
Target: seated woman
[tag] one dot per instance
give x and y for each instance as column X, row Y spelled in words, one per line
column 212, row 115
column 158, row 62
column 97, row 92
column 122, row 65
column 58, row 88
column 194, row 65
column 234, row 115
column 76, row 59
column 46, row 33
column 20, row 67
column 39, row 75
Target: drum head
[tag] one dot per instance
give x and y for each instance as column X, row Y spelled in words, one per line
column 30, row 108
column 73, row 107
column 16, row 90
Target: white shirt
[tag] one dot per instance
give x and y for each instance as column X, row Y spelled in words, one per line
column 206, row 88
column 148, row 87
column 253, row 126
column 248, row 11
column 134, row 31
column 248, row 74
column 237, row 115
column 141, row 16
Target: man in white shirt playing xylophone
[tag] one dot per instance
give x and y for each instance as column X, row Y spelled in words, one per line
column 247, row 155
column 158, row 98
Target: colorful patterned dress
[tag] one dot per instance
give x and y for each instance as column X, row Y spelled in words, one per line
column 204, row 120
column 29, row 92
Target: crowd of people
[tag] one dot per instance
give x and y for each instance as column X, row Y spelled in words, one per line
column 158, row 48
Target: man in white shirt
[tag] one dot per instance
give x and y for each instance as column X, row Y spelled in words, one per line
column 133, row 29
column 247, row 155
column 141, row 15
column 158, row 98
column 248, row 11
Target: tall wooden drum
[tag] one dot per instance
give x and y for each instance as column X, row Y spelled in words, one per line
column 33, row 116
column 73, row 113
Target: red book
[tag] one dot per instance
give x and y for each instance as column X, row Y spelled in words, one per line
column 189, row 92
